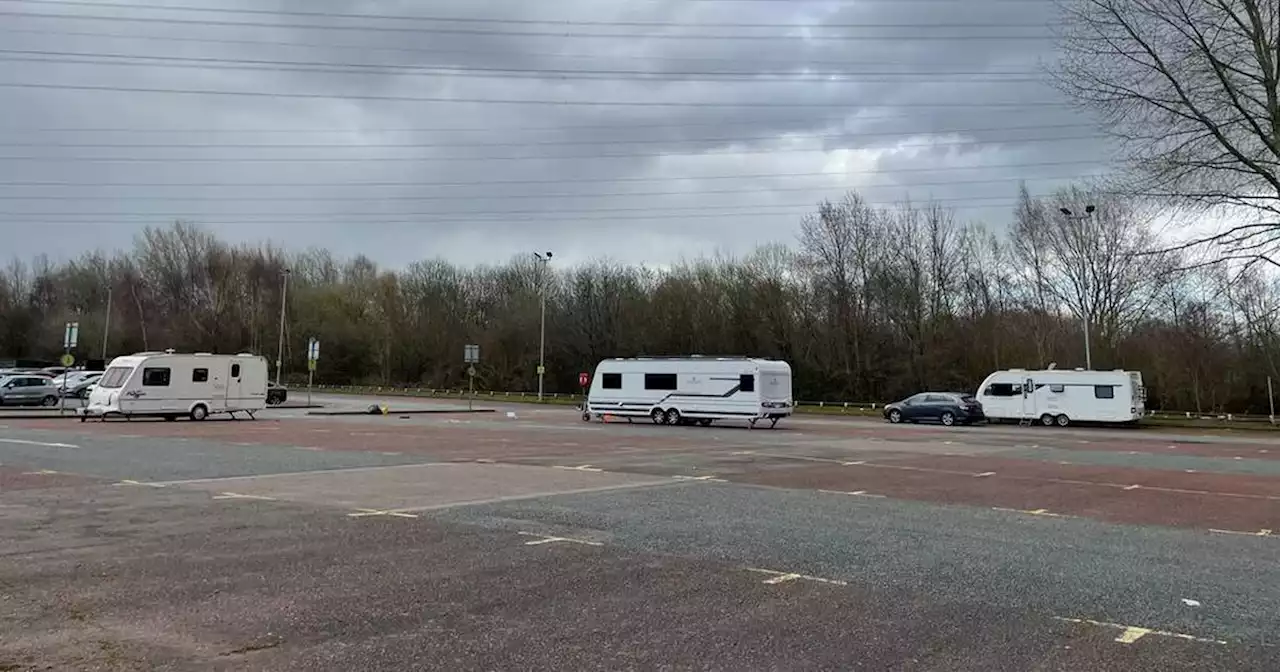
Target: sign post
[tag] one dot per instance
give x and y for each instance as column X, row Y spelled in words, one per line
column 584, row 379
column 313, row 356
column 70, row 338
column 471, row 357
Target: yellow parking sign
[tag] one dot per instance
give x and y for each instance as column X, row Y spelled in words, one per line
column 68, row 359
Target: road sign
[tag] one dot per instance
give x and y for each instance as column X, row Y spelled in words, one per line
column 68, row 360
column 311, row 365
column 471, row 354
column 541, row 369
column 471, row 371
column 71, row 335
column 313, row 350
column 584, row 379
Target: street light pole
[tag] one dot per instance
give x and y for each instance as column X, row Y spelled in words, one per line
column 542, row 340
column 284, row 297
column 106, row 329
column 1086, row 306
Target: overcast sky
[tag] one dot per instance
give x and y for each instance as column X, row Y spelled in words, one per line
column 680, row 132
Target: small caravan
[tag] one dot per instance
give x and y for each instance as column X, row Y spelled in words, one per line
column 1060, row 397
column 689, row 390
column 172, row 385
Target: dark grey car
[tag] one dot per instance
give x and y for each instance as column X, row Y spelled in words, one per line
column 28, row 391
column 948, row 408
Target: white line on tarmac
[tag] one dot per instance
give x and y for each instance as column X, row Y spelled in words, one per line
column 24, row 442
column 368, row 513
column 539, row 495
column 1132, row 633
column 348, row 470
column 236, row 495
column 552, row 540
column 782, row 577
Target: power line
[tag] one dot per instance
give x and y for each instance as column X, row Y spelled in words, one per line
column 510, row 33
column 742, row 77
column 513, row 101
column 542, row 22
column 505, row 197
column 441, row 185
column 646, row 141
column 420, row 51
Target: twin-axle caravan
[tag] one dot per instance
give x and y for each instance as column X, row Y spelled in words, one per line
column 691, row 390
column 171, row 385
column 1060, row 397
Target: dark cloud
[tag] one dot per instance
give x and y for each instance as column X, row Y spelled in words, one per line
column 899, row 112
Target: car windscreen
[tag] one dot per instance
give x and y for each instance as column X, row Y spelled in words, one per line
column 114, row 377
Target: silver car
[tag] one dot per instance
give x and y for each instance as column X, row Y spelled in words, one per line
column 27, row 391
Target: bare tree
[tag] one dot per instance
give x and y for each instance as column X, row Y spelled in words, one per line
column 1191, row 88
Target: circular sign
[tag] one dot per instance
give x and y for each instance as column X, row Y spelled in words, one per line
column 471, row 371
column 583, row 379
column 68, row 360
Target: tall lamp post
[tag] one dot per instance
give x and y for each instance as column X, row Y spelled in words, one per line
column 284, row 296
column 1084, row 309
column 544, row 259
column 106, row 329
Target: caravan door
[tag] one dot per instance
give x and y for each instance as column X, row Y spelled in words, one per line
column 1028, row 398
column 235, row 384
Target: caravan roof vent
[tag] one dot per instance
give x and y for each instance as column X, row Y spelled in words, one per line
column 169, row 351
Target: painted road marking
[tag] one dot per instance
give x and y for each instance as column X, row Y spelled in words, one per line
column 1132, row 487
column 391, row 453
column 859, row 493
column 42, row 472
column 1259, row 533
column 700, row 478
column 984, row 474
column 1030, row 512
column 347, row 470
column 236, row 495
column 1132, row 633
column 777, row 577
column 369, row 513
column 581, row 467
column 139, row 483
column 853, row 464
column 544, row 539
column 23, row 442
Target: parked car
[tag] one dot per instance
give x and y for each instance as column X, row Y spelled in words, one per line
column 28, row 390
column 276, row 394
column 80, row 385
column 948, row 408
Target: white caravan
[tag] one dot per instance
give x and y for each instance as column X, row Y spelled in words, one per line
column 688, row 390
column 1060, row 397
column 170, row 385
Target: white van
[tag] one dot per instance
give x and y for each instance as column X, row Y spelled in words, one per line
column 171, row 385
column 689, row 390
column 1060, row 397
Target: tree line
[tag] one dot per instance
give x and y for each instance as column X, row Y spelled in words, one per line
column 869, row 304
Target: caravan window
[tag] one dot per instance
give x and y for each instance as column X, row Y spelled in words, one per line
column 747, row 382
column 1003, row 390
column 200, row 375
column 611, row 381
column 235, row 370
column 1057, row 388
column 155, row 377
column 660, row 381
column 1104, row 392
column 114, row 377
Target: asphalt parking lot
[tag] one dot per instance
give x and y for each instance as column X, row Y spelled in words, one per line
column 537, row 541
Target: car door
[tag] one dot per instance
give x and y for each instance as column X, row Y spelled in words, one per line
column 27, row 389
column 916, row 408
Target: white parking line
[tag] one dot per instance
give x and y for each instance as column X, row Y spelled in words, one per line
column 24, row 442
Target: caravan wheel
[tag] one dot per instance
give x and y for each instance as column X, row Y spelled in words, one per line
column 1063, row 421
column 673, row 416
column 199, row 412
column 658, row 416
column 1046, row 420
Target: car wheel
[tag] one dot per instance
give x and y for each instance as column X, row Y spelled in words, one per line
column 199, row 413
column 673, row 416
column 49, row 401
column 895, row 416
column 658, row 416
column 1063, row 420
column 586, row 416
column 1046, row 420
column 948, row 418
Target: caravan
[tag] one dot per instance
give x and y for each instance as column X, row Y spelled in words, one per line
column 689, row 390
column 170, row 385
column 1057, row 397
